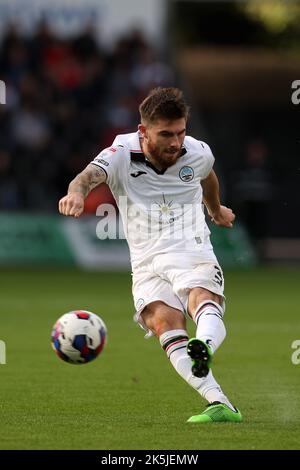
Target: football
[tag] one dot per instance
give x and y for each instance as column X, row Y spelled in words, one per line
column 78, row 337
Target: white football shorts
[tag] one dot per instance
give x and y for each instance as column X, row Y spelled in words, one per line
column 169, row 278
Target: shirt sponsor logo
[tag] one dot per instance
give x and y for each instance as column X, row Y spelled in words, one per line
column 186, row 173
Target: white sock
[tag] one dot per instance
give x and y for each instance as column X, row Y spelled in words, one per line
column 210, row 326
column 174, row 342
column 211, row 391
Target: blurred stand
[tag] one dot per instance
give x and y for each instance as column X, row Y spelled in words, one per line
column 239, row 60
column 252, row 190
column 67, row 98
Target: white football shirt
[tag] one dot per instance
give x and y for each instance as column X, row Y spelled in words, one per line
column 161, row 211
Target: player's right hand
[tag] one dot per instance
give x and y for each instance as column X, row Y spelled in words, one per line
column 224, row 217
column 72, row 204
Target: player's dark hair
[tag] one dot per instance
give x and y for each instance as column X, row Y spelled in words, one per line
column 163, row 103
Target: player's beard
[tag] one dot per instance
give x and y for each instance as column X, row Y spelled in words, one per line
column 164, row 158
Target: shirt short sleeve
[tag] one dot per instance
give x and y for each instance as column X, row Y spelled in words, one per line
column 110, row 160
column 208, row 160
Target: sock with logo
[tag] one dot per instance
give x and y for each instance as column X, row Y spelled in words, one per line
column 210, row 326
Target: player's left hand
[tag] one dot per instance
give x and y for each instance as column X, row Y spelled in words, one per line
column 224, row 217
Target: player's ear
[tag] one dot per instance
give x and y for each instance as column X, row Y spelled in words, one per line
column 142, row 129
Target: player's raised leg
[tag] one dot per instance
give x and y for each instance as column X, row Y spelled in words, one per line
column 206, row 310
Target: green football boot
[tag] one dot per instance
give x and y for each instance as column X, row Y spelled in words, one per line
column 201, row 356
column 217, row 412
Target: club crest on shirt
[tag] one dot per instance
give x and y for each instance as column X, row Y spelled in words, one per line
column 186, row 173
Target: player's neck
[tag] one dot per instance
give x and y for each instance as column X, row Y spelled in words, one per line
column 148, row 156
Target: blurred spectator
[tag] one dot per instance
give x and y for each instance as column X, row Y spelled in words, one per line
column 8, row 189
column 253, row 191
column 67, row 99
column 148, row 72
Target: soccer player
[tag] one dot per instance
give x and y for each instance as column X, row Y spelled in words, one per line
column 160, row 178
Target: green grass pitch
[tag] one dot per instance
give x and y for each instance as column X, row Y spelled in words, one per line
column 131, row 397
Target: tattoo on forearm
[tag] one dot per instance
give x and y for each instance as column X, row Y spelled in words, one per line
column 87, row 180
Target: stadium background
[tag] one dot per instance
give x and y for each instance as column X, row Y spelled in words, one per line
column 74, row 75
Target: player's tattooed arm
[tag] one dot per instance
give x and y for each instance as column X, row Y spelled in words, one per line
column 87, row 180
column 73, row 203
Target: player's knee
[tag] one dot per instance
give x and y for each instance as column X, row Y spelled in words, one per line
column 161, row 318
column 198, row 295
column 163, row 324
